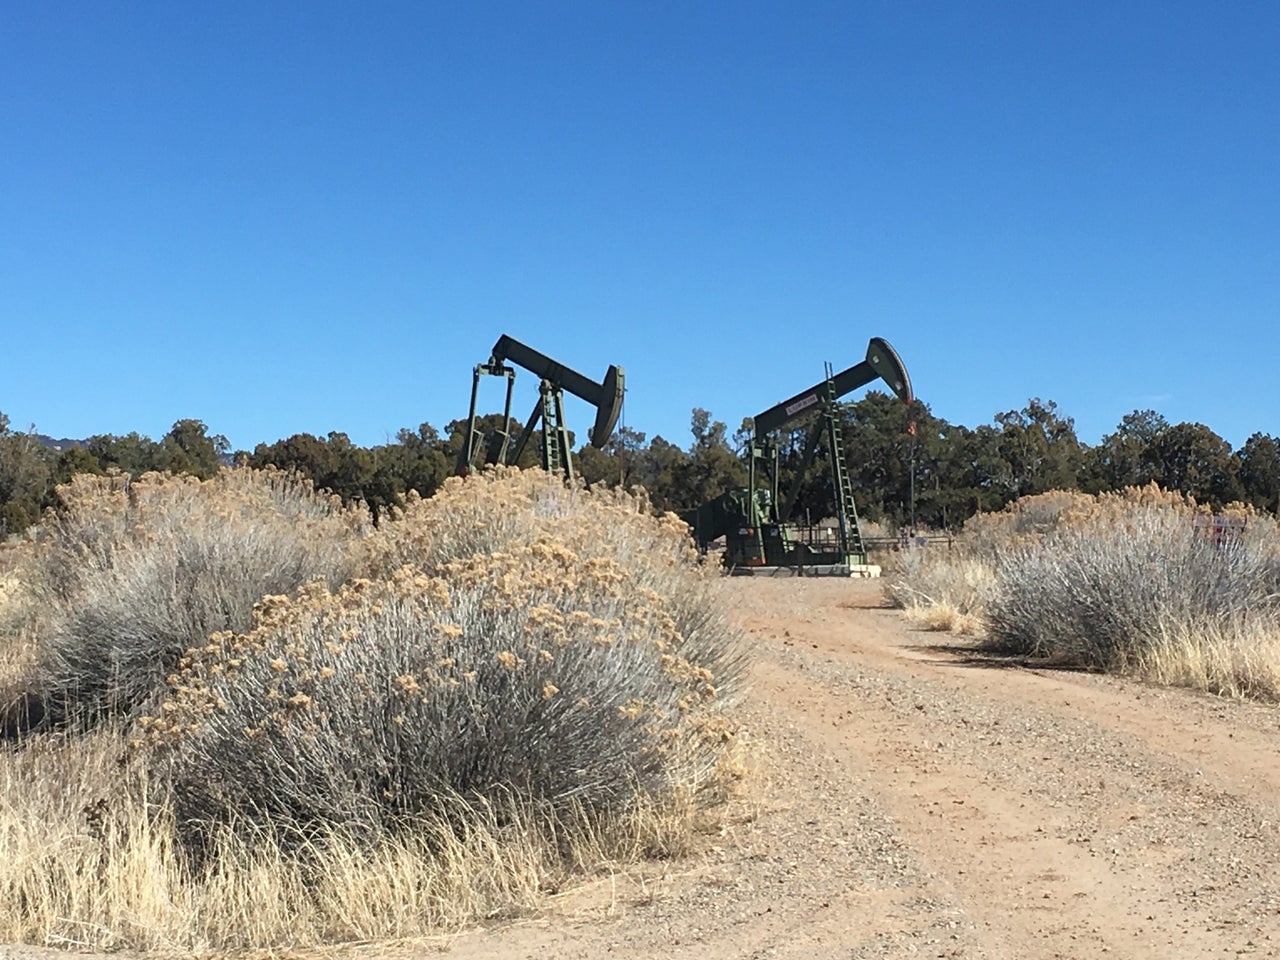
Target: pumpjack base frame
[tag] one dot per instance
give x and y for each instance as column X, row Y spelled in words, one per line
column 853, row 570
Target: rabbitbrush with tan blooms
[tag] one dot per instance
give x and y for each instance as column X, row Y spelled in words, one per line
column 1143, row 582
column 405, row 729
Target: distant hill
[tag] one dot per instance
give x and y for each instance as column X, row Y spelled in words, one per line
column 59, row 445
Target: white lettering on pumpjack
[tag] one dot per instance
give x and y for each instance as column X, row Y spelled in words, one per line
column 808, row 401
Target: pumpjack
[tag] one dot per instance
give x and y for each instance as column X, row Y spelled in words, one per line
column 755, row 520
column 496, row 447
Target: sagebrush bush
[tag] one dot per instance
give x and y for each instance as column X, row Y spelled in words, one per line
column 1137, row 581
column 532, row 674
column 127, row 574
column 1101, row 590
column 1024, row 521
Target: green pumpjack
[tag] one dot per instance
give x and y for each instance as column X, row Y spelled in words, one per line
column 755, row 520
column 495, row 447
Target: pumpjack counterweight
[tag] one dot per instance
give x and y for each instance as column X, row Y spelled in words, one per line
column 555, row 378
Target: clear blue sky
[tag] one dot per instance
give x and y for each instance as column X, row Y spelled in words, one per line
column 280, row 218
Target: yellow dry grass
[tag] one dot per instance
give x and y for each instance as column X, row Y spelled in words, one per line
column 945, row 618
column 942, row 580
column 88, row 862
column 17, row 636
column 1236, row 659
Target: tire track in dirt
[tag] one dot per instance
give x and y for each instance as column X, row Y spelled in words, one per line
column 1075, row 818
column 1233, row 742
column 1009, row 861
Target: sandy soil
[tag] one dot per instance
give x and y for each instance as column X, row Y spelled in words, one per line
column 923, row 802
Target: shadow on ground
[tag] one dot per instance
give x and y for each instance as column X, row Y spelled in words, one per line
column 967, row 655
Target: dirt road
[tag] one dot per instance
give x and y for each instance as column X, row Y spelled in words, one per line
column 924, row 803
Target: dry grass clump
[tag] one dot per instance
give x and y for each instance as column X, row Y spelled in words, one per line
column 127, row 574
column 1136, row 581
column 945, row 618
column 1239, row 657
column 873, row 529
column 78, row 846
column 942, row 588
column 89, row 861
column 10, row 556
column 18, row 615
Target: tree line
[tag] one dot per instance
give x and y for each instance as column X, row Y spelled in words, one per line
column 910, row 467
column 937, row 475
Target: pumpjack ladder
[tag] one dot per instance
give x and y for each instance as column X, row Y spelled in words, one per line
column 851, row 545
